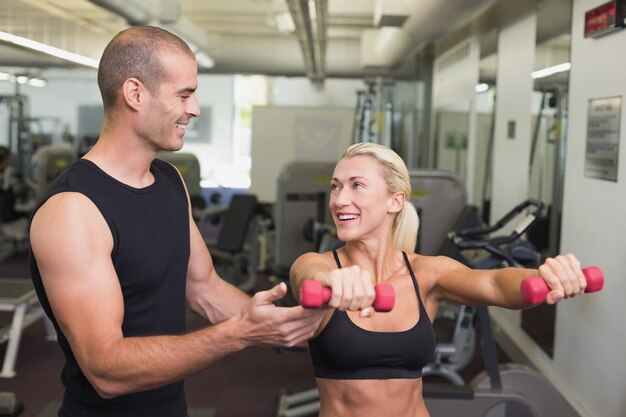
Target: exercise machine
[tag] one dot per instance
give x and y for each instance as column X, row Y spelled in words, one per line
column 47, row 163
column 302, row 194
column 9, row 405
column 374, row 116
column 454, row 323
column 440, row 198
column 18, row 296
column 441, row 201
column 188, row 165
column 235, row 251
column 510, row 390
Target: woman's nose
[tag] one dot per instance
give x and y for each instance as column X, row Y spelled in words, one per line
column 342, row 198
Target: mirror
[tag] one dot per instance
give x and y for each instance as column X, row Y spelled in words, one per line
column 485, row 123
column 547, row 157
column 451, row 133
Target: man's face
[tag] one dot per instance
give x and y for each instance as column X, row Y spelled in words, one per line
column 169, row 113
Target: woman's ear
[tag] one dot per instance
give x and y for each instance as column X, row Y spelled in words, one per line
column 396, row 202
column 133, row 92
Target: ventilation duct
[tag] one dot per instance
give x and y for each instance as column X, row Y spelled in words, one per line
column 428, row 20
column 135, row 13
column 164, row 14
column 310, row 20
column 390, row 13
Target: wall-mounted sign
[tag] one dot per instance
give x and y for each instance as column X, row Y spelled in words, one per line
column 455, row 140
column 605, row 18
column 603, row 122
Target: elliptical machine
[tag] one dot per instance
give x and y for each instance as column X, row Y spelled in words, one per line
column 454, row 323
column 509, row 390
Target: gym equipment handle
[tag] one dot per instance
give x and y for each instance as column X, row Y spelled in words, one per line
column 313, row 295
column 534, row 289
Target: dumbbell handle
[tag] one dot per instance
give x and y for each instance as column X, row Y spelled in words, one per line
column 313, row 295
column 535, row 290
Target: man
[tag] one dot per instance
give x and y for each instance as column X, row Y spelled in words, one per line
column 115, row 253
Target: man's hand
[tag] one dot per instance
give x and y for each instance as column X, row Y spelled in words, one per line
column 264, row 324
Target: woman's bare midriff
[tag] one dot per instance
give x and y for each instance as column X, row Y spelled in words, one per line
column 371, row 398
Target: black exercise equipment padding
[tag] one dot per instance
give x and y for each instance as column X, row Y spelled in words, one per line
column 468, row 219
column 452, row 392
column 233, row 232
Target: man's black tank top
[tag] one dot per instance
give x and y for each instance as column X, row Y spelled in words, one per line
column 150, row 229
column 344, row 350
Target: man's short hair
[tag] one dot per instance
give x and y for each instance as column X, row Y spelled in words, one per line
column 136, row 52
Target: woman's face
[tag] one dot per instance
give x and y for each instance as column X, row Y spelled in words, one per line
column 359, row 200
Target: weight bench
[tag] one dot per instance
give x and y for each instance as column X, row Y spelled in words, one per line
column 237, row 260
column 18, row 296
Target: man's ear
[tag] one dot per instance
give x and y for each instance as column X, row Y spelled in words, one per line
column 133, row 92
column 396, row 202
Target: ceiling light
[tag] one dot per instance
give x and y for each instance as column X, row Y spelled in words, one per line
column 481, row 88
column 284, row 22
column 546, row 72
column 312, row 10
column 203, row 60
column 23, row 79
column 37, row 82
column 47, row 49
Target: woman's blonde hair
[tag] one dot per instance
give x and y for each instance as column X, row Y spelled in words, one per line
column 396, row 176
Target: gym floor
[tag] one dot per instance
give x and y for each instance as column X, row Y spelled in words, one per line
column 243, row 384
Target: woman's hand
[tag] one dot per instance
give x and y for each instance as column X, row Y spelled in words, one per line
column 352, row 289
column 564, row 276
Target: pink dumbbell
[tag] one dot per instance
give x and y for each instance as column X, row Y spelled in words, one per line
column 534, row 289
column 313, row 295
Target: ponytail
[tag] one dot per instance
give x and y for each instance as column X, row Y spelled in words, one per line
column 405, row 227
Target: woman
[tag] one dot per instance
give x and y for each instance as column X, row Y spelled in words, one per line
column 371, row 364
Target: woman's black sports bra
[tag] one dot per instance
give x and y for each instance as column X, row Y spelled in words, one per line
column 344, row 350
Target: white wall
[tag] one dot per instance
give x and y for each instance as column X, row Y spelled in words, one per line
column 454, row 81
column 590, row 331
column 299, row 91
column 514, row 86
column 282, row 134
column 216, row 92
